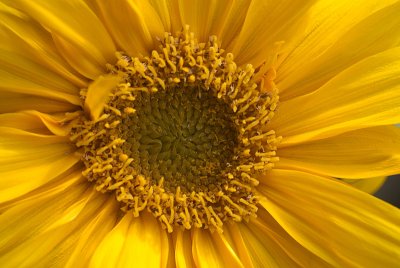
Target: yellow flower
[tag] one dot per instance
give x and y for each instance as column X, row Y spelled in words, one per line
column 198, row 133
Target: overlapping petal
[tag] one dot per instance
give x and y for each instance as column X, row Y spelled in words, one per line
column 129, row 24
column 343, row 226
column 36, row 122
column 77, row 37
column 183, row 252
column 212, row 250
column 14, row 102
column 29, row 160
column 28, row 38
column 364, row 95
column 96, row 228
column 205, row 17
column 364, row 153
column 269, row 245
column 44, row 226
column 134, row 240
column 370, row 185
column 21, row 75
column 339, row 34
column 266, row 23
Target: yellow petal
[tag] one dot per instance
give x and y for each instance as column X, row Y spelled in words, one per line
column 183, row 249
column 97, row 228
column 39, row 210
column 29, row 160
column 164, row 10
column 173, row 14
column 21, row 75
column 235, row 237
column 167, row 256
column 226, row 247
column 363, row 153
column 364, row 95
column 342, row 225
column 340, row 33
column 233, row 23
column 266, row 23
column 31, row 121
column 144, row 240
column 370, row 185
column 40, row 229
column 36, row 122
column 133, row 242
column 205, row 18
column 25, row 36
column 133, row 24
column 27, row 69
column 212, row 250
column 98, row 94
column 81, row 38
column 266, row 235
column 107, row 254
column 229, row 246
column 13, row 102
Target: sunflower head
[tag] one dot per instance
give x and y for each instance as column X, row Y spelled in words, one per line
column 128, row 139
column 181, row 135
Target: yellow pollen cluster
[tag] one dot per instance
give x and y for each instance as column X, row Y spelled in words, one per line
column 182, row 136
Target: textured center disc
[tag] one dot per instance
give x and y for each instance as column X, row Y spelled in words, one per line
column 185, row 135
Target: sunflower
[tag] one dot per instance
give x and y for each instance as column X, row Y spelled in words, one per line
column 198, row 133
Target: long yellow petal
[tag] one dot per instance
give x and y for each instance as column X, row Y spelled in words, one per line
column 13, row 102
column 27, row 37
column 234, row 236
column 133, row 242
column 364, row 95
column 359, row 154
column 233, row 22
column 70, row 188
column 168, row 11
column 183, row 250
column 43, row 226
column 36, row 122
column 261, row 252
column 29, row 160
column 144, row 240
column 133, row 24
column 167, row 256
column 21, row 75
column 340, row 34
column 97, row 228
column 107, row 254
column 266, row 23
column 81, row 38
column 212, row 250
column 370, row 185
column 343, row 226
column 176, row 21
column 270, row 246
column 205, row 18
column 14, row 83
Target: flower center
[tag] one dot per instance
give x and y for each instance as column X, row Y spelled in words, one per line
column 183, row 135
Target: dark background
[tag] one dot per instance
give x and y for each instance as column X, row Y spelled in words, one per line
column 390, row 191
